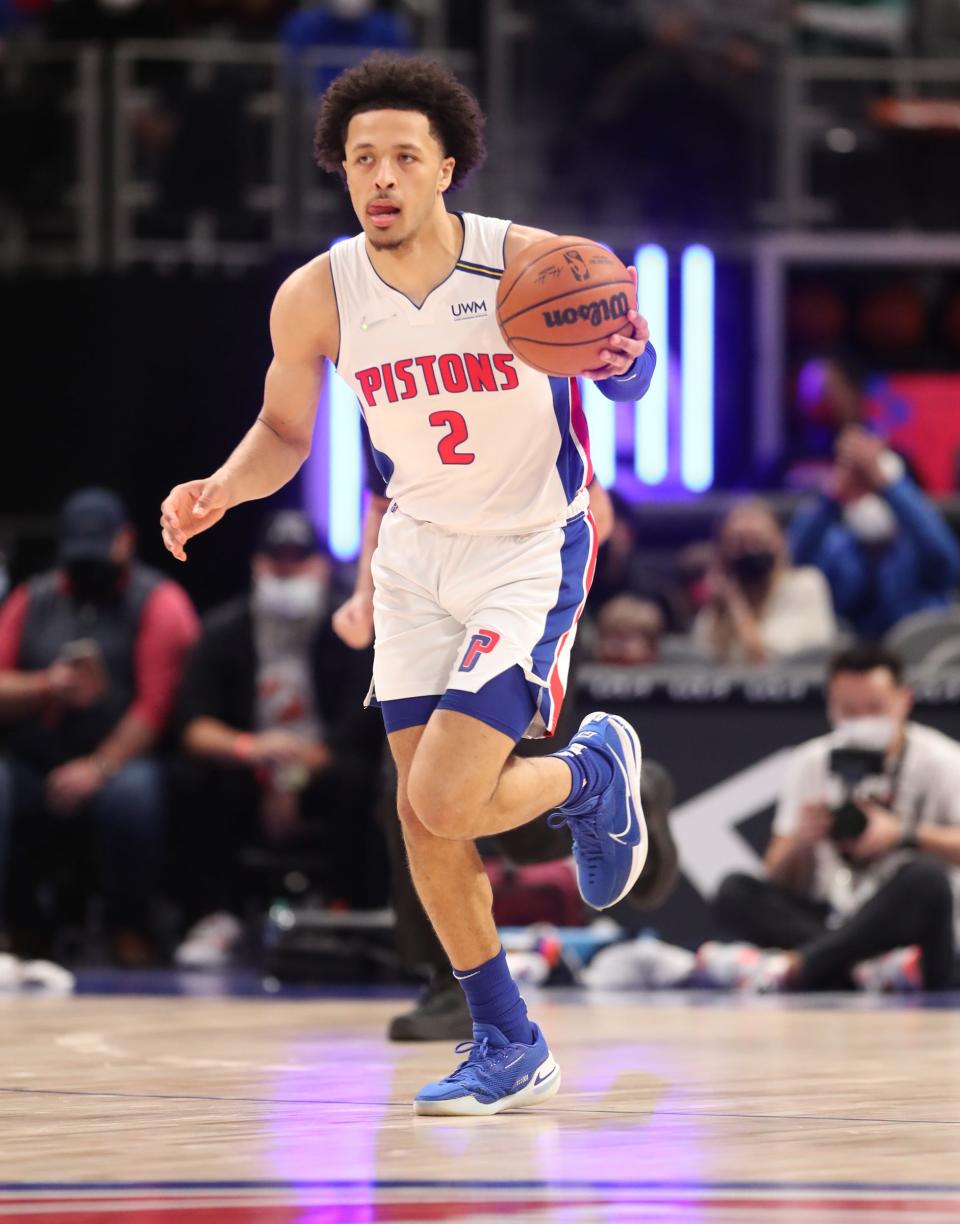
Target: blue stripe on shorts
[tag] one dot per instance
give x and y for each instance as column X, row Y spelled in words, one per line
column 505, row 703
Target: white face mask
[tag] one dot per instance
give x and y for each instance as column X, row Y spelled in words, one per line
column 870, row 519
column 350, row 10
column 289, row 599
column 873, row 734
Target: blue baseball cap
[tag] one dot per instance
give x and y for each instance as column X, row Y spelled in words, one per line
column 89, row 522
column 288, row 533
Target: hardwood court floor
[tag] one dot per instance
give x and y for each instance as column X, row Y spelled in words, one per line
column 166, row 1110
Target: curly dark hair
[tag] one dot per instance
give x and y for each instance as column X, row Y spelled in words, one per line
column 393, row 82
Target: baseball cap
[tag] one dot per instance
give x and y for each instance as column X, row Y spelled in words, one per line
column 286, row 532
column 89, row 522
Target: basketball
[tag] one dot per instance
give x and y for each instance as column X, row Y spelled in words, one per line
column 560, row 300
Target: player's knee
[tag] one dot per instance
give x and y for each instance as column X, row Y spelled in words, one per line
column 440, row 804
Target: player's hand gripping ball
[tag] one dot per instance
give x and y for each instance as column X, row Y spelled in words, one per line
column 568, row 306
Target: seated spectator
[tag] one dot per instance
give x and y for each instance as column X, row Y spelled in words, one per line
column 90, row 659
column 283, row 753
column 881, row 544
column 864, row 862
column 761, row 607
column 628, row 631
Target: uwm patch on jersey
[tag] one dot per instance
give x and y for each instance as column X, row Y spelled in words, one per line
column 465, row 434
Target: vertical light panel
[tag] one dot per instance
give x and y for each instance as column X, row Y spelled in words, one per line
column 650, row 452
column 345, row 468
column 601, row 421
column 696, row 360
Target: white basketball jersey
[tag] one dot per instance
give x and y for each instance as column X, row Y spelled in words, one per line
column 466, row 435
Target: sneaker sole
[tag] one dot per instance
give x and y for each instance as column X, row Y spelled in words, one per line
column 469, row 1107
column 632, row 755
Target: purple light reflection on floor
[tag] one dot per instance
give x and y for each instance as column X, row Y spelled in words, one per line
column 339, row 1067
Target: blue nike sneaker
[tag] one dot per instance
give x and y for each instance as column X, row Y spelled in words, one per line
column 497, row 1075
column 609, row 833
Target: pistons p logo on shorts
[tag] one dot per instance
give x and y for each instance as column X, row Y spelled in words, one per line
column 482, row 642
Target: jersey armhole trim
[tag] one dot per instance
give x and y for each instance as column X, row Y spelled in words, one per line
column 336, row 302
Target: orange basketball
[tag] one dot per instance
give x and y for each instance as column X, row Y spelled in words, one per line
column 560, row 300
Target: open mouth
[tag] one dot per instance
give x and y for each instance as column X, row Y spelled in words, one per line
column 382, row 213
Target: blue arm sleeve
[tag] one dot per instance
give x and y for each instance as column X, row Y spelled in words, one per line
column 632, row 385
column 939, row 553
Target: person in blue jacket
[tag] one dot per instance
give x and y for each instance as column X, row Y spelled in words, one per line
column 883, row 546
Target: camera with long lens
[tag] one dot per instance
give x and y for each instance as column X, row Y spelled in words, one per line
column 851, row 766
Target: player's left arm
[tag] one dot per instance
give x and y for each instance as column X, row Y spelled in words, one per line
column 629, row 358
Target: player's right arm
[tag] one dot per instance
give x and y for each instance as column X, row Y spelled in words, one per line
column 304, row 330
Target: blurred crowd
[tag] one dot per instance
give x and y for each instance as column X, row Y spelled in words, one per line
column 149, row 757
column 177, row 769
column 866, row 554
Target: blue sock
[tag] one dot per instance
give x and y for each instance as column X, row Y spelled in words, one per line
column 592, row 772
column 493, row 998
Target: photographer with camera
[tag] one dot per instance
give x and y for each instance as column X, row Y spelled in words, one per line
column 864, row 862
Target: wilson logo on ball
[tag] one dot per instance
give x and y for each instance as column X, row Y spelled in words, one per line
column 600, row 311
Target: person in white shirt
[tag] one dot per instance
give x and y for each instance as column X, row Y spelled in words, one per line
column 863, row 861
column 761, row 607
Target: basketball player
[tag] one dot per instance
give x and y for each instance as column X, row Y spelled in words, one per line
column 486, row 553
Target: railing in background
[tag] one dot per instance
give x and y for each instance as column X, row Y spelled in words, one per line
column 850, row 142
column 51, row 202
column 198, row 173
column 162, row 152
column 199, row 151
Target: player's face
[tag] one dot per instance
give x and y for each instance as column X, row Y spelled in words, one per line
column 396, row 172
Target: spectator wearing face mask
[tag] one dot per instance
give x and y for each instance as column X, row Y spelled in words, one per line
column 90, row 659
column 881, row 544
column 760, row 607
column 281, row 752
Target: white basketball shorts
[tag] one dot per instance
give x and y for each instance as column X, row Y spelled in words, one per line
column 483, row 624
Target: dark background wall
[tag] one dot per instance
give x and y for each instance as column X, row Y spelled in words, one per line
column 135, row 382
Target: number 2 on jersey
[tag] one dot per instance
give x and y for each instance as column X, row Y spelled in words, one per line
column 447, row 446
